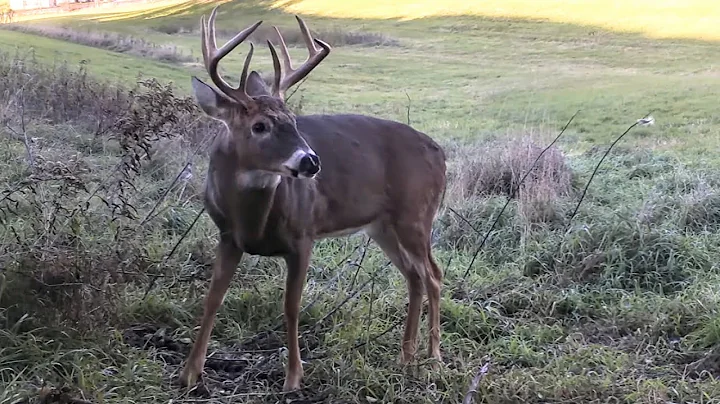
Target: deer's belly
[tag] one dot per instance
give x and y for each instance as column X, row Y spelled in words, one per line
column 268, row 246
column 343, row 232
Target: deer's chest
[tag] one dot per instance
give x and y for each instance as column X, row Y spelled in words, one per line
column 256, row 221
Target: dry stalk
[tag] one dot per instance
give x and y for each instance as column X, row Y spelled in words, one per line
column 472, row 390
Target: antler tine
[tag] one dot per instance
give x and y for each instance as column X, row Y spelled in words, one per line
column 276, row 68
column 244, row 74
column 306, row 36
column 292, row 76
column 212, row 55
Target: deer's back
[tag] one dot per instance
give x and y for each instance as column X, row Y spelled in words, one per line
column 373, row 167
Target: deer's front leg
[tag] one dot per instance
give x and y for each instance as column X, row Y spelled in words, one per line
column 227, row 258
column 297, row 265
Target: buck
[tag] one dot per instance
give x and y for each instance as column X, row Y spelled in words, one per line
column 277, row 182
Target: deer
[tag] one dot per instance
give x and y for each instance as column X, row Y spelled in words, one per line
column 276, row 183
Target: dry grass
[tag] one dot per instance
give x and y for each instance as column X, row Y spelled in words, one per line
column 110, row 41
column 496, row 169
column 334, row 36
column 74, row 191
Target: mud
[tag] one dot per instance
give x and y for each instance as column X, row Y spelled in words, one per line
column 253, row 367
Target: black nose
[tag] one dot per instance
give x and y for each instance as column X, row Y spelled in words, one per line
column 309, row 164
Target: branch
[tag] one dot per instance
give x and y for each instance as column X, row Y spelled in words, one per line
column 155, row 278
column 643, row 120
column 582, row 197
column 472, row 390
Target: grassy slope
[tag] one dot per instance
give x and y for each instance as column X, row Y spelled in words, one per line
column 689, row 19
column 470, row 77
column 549, row 336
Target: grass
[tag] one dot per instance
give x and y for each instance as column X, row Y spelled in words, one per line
column 491, row 76
column 690, row 19
column 616, row 304
column 112, row 42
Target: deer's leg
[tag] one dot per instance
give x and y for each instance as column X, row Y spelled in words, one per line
column 412, row 266
column 297, row 265
column 433, row 286
column 227, row 258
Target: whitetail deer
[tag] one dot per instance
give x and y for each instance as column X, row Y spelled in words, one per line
column 267, row 196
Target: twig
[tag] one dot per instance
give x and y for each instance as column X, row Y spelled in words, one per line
column 295, row 90
column 359, row 264
column 332, row 281
column 177, row 178
column 592, row 176
column 155, row 278
column 347, row 299
column 597, row 167
column 472, row 390
column 22, row 136
column 513, row 191
column 360, row 344
column 369, row 316
column 408, row 107
column 31, row 159
column 464, row 219
column 376, row 337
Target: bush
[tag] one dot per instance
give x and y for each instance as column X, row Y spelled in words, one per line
column 76, row 221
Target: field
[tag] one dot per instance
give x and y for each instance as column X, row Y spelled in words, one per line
column 607, row 292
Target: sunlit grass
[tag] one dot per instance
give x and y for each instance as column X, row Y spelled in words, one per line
column 699, row 19
column 109, row 12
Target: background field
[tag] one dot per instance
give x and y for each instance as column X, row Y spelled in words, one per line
column 619, row 303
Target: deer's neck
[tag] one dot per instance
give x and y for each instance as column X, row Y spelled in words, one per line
column 256, row 194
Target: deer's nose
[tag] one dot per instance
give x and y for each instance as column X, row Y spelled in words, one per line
column 309, row 164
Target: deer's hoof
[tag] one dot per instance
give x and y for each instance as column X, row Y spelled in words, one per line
column 292, row 382
column 406, row 357
column 189, row 377
column 436, row 362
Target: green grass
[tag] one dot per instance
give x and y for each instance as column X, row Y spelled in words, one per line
column 466, row 76
column 113, row 66
column 621, row 308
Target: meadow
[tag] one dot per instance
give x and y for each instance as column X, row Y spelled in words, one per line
column 105, row 251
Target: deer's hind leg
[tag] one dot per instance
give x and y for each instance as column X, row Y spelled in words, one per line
column 408, row 248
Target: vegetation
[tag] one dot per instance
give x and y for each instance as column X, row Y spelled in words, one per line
column 110, row 41
column 105, row 251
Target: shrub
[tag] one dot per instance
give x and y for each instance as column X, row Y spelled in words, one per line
column 76, row 222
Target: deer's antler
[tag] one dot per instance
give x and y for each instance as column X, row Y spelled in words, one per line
column 288, row 78
column 212, row 56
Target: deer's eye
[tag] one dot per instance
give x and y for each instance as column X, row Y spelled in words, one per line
column 259, row 127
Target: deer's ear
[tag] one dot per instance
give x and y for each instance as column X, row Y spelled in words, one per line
column 255, row 85
column 213, row 103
